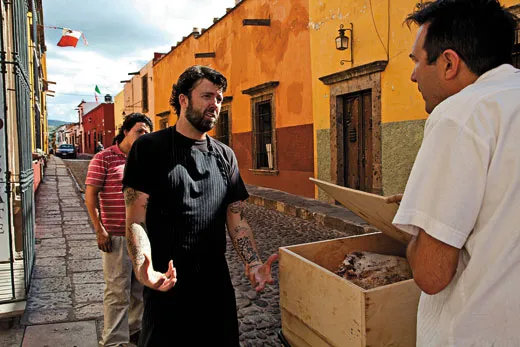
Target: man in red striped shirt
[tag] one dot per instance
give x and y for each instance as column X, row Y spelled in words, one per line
column 123, row 296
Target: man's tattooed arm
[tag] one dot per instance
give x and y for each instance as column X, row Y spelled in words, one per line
column 241, row 234
column 136, row 235
column 137, row 242
column 237, row 208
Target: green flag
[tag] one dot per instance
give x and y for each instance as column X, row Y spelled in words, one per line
column 97, row 90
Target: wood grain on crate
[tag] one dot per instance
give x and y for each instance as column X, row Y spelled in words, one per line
column 320, row 308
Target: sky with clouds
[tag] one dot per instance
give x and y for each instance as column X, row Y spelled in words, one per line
column 122, row 36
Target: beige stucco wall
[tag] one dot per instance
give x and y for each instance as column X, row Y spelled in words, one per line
column 119, row 107
column 133, row 95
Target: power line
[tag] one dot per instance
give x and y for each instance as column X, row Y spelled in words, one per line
column 74, row 94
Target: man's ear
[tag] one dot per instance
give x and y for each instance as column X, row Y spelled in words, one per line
column 451, row 63
column 183, row 100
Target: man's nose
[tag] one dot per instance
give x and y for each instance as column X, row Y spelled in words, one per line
column 412, row 76
column 215, row 102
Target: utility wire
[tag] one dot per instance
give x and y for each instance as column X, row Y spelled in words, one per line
column 377, row 31
column 57, row 93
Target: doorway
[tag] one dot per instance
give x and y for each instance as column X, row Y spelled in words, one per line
column 357, row 140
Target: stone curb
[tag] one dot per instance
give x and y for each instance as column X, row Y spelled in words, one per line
column 339, row 218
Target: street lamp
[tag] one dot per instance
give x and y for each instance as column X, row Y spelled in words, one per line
column 342, row 41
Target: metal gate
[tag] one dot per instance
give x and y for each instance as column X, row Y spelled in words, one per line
column 17, row 58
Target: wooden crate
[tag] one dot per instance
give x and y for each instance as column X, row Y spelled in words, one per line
column 319, row 308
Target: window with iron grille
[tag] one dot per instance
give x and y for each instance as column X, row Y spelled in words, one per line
column 263, row 112
column 144, row 89
column 223, row 127
column 263, row 133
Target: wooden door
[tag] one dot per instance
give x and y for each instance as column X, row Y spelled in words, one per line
column 357, row 141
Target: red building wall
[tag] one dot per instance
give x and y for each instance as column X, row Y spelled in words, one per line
column 98, row 125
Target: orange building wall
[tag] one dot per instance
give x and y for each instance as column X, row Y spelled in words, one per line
column 249, row 56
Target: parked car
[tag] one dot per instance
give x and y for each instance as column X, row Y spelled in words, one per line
column 66, row 151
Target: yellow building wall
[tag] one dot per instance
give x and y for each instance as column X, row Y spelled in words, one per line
column 119, row 107
column 44, row 115
column 249, row 56
column 326, row 18
column 378, row 28
column 379, row 35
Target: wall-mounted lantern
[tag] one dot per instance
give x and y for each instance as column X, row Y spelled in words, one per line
column 342, row 42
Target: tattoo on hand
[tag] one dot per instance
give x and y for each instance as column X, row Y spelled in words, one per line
column 237, row 207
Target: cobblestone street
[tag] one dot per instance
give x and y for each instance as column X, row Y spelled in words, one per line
column 67, row 282
column 259, row 314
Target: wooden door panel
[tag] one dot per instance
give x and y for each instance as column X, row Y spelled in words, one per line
column 357, row 141
column 351, row 143
column 367, row 136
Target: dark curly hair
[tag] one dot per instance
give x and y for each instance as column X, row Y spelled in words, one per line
column 129, row 123
column 190, row 78
column 480, row 31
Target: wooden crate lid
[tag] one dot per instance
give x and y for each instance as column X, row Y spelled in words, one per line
column 371, row 207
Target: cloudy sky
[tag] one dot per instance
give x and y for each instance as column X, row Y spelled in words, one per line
column 122, row 36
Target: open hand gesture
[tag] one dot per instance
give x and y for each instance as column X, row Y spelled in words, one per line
column 157, row 280
column 261, row 274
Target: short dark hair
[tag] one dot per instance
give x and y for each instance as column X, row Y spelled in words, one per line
column 480, row 31
column 129, row 123
column 189, row 79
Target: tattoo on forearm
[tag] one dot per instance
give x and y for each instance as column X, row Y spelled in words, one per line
column 243, row 244
column 246, row 249
column 137, row 242
column 130, row 196
column 237, row 207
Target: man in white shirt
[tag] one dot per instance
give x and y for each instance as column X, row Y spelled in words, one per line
column 462, row 200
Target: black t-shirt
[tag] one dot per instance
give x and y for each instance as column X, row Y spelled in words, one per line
column 198, row 228
column 149, row 162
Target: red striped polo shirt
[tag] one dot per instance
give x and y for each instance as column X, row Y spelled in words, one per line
column 106, row 171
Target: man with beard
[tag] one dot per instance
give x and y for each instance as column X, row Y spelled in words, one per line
column 181, row 190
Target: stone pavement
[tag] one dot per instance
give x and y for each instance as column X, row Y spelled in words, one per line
column 67, row 283
column 67, row 280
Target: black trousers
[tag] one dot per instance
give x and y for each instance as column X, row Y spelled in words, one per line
column 199, row 311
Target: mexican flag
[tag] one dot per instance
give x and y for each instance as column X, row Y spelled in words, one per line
column 97, row 92
column 69, row 38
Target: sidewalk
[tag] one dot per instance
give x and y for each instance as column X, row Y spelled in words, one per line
column 64, row 306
